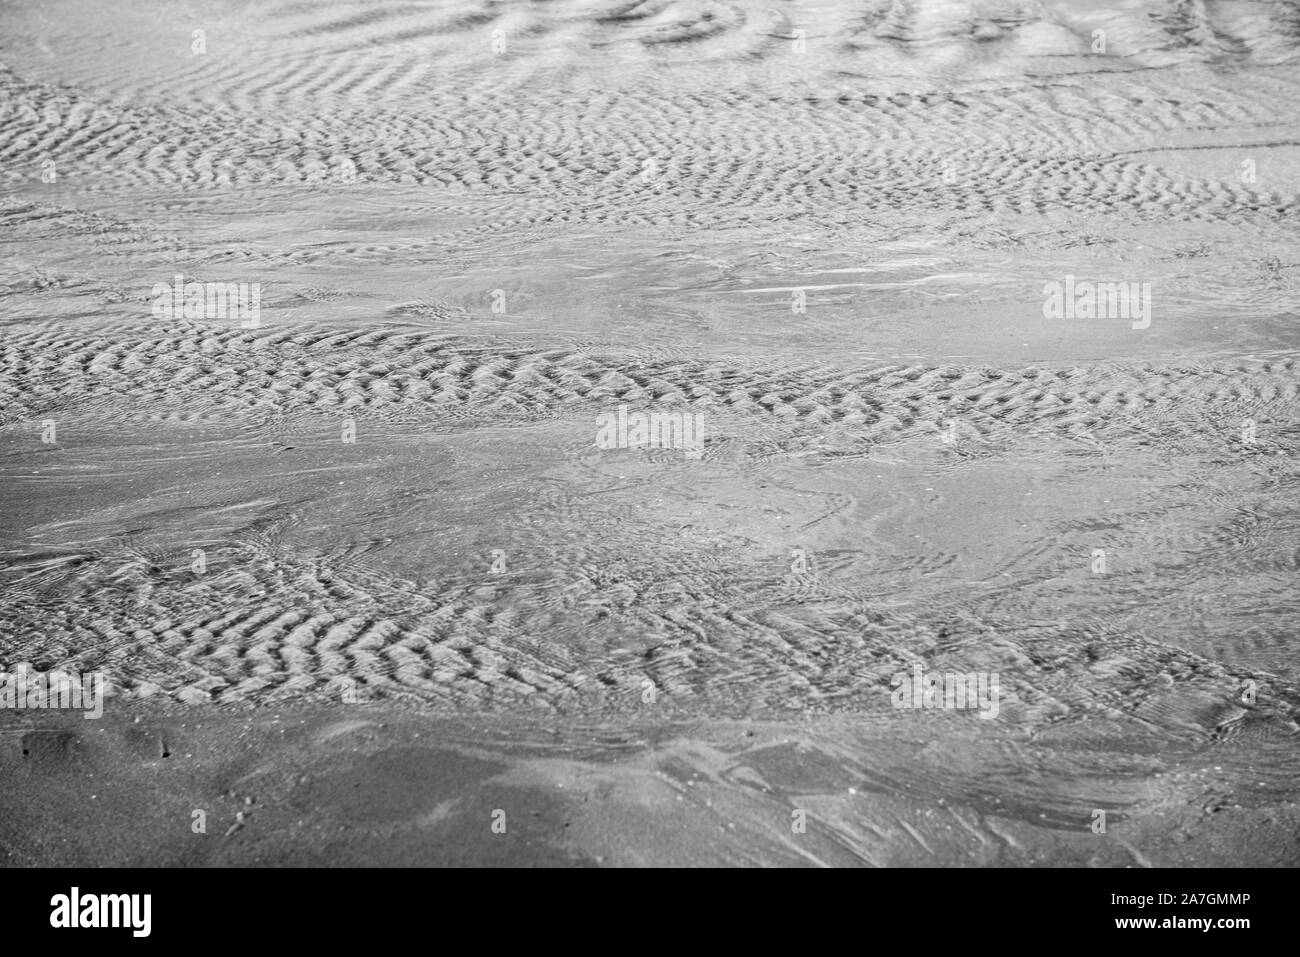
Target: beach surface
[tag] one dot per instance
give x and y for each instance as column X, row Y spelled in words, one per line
column 358, row 573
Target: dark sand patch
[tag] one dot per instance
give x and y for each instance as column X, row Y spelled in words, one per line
column 379, row 786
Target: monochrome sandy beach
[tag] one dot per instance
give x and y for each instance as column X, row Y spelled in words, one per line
column 651, row 433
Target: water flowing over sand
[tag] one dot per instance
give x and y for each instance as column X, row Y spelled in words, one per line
column 832, row 230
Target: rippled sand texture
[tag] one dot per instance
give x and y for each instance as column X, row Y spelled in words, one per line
column 477, row 227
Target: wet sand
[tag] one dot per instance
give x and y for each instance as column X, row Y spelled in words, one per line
column 364, row 561
column 378, row 786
